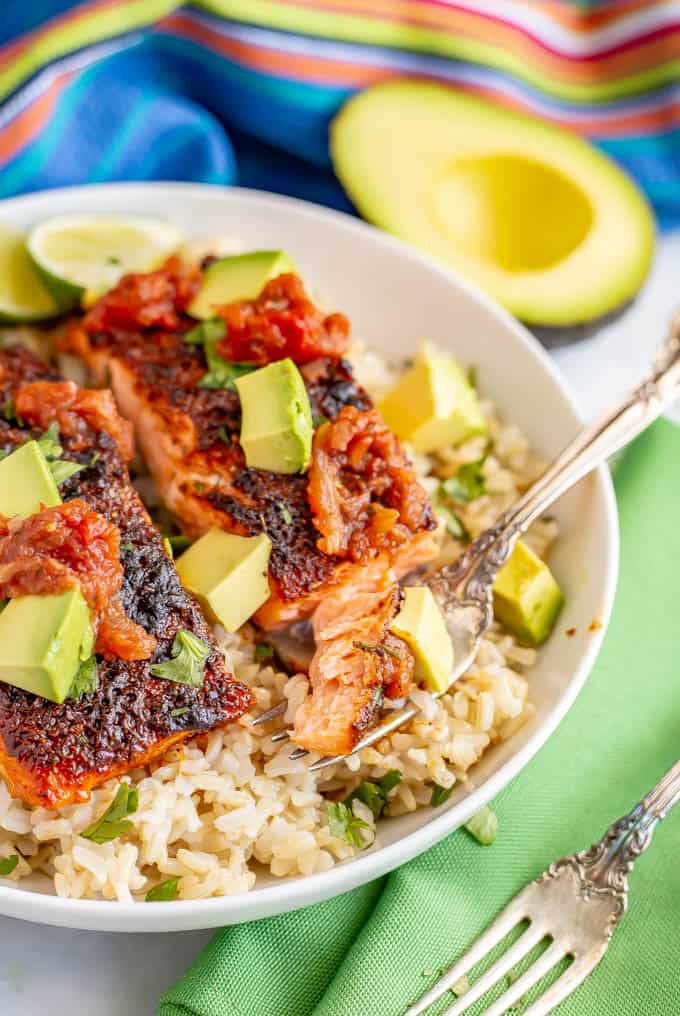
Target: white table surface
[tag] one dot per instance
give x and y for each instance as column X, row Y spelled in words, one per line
column 44, row 971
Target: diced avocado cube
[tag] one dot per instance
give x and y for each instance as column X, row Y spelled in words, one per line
column 420, row 623
column 43, row 640
column 433, row 405
column 276, row 418
column 227, row 574
column 26, row 482
column 242, row 277
column 526, row 596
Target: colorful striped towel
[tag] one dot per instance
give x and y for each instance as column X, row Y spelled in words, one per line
column 243, row 90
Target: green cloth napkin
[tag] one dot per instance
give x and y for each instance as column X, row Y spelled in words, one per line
column 374, row 950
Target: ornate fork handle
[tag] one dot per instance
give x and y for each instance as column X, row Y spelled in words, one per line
column 603, row 869
column 474, row 572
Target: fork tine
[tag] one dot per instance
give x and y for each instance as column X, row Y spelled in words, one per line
column 529, row 978
column 505, row 922
column 298, row 753
column 563, row 986
column 280, row 735
column 271, row 714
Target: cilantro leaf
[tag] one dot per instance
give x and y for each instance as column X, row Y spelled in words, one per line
column 285, row 513
column 468, row 484
column 189, row 654
column 164, row 891
column 483, row 826
column 263, row 651
column 374, row 795
column 113, row 823
column 453, row 523
column 179, row 542
column 440, row 795
column 221, row 373
column 49, row 442
column 180, row 711
column 342, row 822
column 8, row 864
column 86, row 680
column 207, row 331
column 63, row 469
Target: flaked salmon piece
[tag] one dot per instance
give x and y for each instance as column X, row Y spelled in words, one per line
column 189, row 434
column 357, row 664
column 52, row 754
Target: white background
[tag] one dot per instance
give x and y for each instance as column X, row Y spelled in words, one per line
column 44, row 971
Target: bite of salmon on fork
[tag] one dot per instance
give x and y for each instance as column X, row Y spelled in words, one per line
column 95, row 539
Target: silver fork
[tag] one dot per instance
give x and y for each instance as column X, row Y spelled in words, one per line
column 577, row 903
column 464, row 590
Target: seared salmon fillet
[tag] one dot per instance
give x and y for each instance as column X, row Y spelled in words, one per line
column 52, row 754
column 134, row 339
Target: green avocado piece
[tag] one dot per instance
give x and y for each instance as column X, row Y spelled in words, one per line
column 420, row 623
column 276, row 418
column 26, row 482
column 433, row 404
column 241, row 277
column 535, row 215
column 43, row 640
column 227, row 574
column 526, row 596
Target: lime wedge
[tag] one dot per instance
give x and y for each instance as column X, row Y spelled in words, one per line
column 75, row 254
column 23, row 297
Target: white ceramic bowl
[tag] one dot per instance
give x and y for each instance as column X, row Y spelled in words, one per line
column 395, row 298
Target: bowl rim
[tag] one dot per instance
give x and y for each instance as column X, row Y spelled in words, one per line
column 302, row 891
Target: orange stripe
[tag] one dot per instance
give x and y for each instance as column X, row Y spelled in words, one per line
column 28, row 124
column 298, row 65
column 305, row 67
column 502, row 35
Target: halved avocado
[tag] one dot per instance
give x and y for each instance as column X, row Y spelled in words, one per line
column 536, row 216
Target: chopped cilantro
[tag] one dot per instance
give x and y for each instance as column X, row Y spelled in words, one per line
column 49, row 442
column 342, row 822
column 440, row 795
column 207, row 331
column 164, row 891
column 82, row 740
column 86, row 680
column 221, row 373
column 285, row 513
column 114, row 822
column 374, row 795
column 318, row 420
column 112, row 260
column 263, row 651
column 452, row 522
column 127, row 546
column 180, row 711
column 8, row 864
column 483, row 826
column 61, row 469
column 376, row 647
column 189, row 654
column 8, row 410
column 223, row 435
column 468, row 483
